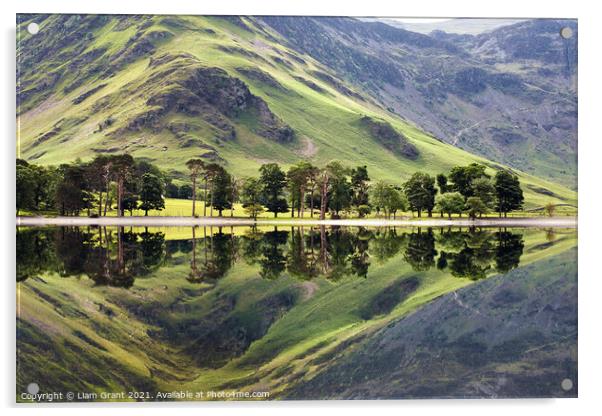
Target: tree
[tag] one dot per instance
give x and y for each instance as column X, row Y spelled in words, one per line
column 508, row 193
column 130, row 203
column 185, row 192
column 234, row 193
column 195, row 166
column 122, row 167
column 359, row 188
column 25, row 187
column 299, row 177
column 212, row 174
column 395, row 201
column 450, row 203
column 44, row 179
column 420, row 191
column 72, row 191
column 483, row 189
column 476, row 207
column 388, row 198
column 549, row 209
column 442, row 183
column 250, row 196
column 172, row 190
column 98, row 174
column 463, row 176
column 333, row 174
column 378, row 196
column 221, row 189
column 340, row 196
column 273, row 181
column 151, row 193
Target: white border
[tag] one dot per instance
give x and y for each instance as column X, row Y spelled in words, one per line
column 590, row 203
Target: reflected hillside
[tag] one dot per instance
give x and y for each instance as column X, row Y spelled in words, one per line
column 107, row 309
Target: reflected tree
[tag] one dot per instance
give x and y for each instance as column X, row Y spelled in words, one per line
column 420, row 252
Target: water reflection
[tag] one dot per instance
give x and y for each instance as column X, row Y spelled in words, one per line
column 117, row 256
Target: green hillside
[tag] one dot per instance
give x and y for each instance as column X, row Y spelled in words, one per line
column 170, row 88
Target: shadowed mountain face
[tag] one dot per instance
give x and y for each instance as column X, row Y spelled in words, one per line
column 508, row 336
column 508, row 94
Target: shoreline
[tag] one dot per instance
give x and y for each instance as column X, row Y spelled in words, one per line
column 556, row 222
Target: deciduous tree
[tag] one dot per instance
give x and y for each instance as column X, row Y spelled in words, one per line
column 273, row 181
column 450, row 203
column 151, row 193
column 508, row 193
column 420, row 191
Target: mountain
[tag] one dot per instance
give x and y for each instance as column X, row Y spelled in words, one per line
column 469, row 26
column 508, row 95
column 249, row 90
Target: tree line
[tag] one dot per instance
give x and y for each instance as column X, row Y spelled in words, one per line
column 126, row 183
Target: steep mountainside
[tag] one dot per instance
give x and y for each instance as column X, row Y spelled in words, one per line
column 509, row 94
column 246, row 91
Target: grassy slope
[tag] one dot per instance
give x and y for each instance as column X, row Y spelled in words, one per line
column 329, row 121
column 304, row 340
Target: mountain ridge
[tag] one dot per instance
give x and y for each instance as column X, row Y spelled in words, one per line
column 108, row 91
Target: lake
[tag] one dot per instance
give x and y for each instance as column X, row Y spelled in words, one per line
column 289, row 312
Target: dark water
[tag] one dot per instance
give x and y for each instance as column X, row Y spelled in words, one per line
column 494, row 307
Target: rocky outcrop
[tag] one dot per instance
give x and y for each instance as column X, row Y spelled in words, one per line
column 257, row 74
column 385, row 134
column 182, row 85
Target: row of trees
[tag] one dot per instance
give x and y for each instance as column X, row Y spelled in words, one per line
column 93, row 187
column 126, row 184
column 336, row 188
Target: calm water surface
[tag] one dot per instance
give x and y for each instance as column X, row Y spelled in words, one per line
column 298, row 312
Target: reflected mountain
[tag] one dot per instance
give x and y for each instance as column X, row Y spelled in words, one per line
column 291, row 309
column 513, row 335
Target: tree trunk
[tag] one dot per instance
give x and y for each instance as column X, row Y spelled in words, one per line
column 302, row 203
column 205, row 200
column 193, row 195
column 323, row 200
column 311, row 202
column 107, row 203
column 211, row 206
column 119, row 197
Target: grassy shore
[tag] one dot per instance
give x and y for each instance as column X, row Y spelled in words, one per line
column 183, row 208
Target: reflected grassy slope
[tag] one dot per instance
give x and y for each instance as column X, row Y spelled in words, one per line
column 239, row 332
